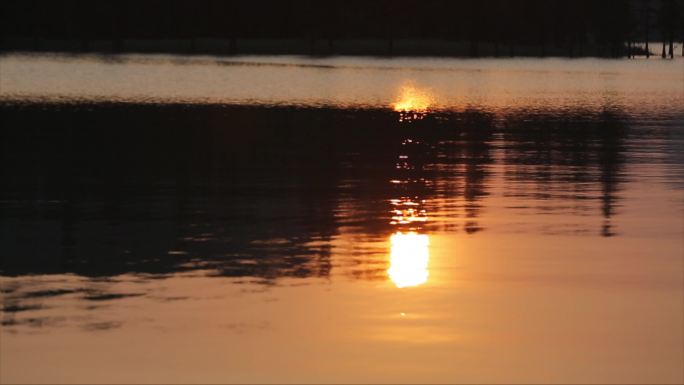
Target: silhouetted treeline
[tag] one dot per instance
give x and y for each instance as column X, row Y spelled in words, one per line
column 570, row 27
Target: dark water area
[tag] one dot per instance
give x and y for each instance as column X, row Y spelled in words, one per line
column 103, row 190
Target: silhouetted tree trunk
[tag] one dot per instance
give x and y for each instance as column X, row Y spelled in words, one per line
column 669, row 16
column 68, row 25
column 511, row 46
column 580, row 47
column 645, row 19
column 473, row 8
column 118, row 20
column 390, row 28
column 474, row 51
column 85, row 44
column 84, row 30
column 37, row 22
column 571, row 47
column 234, row 29
column 663, row 54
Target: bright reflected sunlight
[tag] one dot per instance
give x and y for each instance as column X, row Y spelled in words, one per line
column 412, row 103
column 409, row 257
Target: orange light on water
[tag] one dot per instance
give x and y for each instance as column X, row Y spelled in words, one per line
column 412, row 103
column 406, row 212
column 409, row 257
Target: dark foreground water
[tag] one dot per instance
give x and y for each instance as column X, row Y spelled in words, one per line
column 197, row 242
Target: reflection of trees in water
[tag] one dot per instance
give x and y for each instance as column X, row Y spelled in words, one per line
column 270, row 193
column 611, row 164
column 171, row 191
column 472, row 148
column 262, row 194
column 563, row 165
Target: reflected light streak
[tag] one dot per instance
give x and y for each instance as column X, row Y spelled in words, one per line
column 409, row 257
column 407, row 212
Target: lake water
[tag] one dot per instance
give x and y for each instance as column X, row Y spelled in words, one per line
column 176, row 219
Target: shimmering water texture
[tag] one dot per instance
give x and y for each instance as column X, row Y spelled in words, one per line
column 638, row 86
column 175, row 219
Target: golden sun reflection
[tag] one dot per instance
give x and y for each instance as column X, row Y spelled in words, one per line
column 412, row 103
column 409, row 257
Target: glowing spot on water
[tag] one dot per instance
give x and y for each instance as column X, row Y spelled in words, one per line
column 409, row 257
column 412, row 103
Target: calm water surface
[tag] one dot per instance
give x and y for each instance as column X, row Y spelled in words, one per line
column 177, row 219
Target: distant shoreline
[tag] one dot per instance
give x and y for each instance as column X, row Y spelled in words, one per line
column 317, row 47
